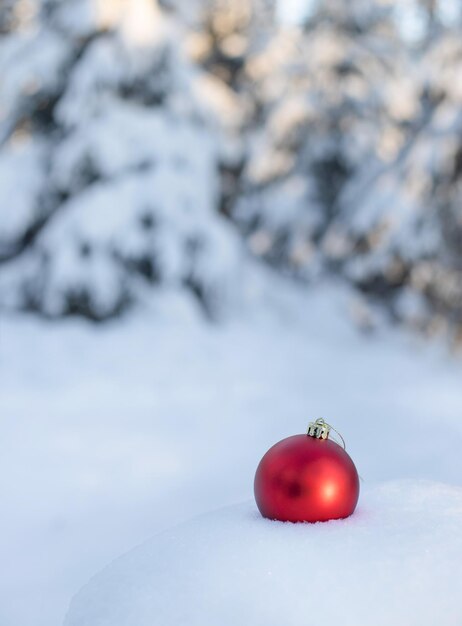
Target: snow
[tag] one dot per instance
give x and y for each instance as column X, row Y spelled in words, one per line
column 111, row 434
column 395, row 561
column 38, row 59
column 22, row 179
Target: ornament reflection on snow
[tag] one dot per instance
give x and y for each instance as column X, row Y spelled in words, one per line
column 307, row 478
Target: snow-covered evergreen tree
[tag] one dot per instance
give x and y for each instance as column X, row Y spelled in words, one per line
column 109, row 161
column 351, row 162
column 326, row 96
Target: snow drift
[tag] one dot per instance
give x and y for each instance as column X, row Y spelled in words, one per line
column 395, row 561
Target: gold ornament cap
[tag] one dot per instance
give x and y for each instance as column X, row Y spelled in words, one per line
column 320, row 429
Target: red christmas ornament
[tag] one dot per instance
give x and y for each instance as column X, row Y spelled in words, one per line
column 307, row 478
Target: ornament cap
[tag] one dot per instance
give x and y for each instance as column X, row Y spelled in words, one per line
column 320, row 429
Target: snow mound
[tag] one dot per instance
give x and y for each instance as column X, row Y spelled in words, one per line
column 395, row 561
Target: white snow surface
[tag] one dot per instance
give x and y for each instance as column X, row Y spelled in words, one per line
column 395, row 561
column 110, row 434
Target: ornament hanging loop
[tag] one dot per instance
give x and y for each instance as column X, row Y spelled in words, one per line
column 320, row 429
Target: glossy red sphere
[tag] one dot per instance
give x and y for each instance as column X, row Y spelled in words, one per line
column 304, row 479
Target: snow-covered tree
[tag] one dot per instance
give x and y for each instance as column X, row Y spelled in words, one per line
column 109, row 161
column 327, row 95
column 351, row 163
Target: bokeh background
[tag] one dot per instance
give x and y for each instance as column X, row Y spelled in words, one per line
column 218, row 220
